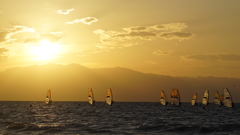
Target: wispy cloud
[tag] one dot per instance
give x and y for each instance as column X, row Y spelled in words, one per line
column 48, row 37
column 25, row 34
column 8, row 35
column 87, row 20
column 214, row 57
column 65, row 11
column 162, row 53
column 131, row 35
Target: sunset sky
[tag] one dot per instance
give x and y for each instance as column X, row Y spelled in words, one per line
column 167, row 37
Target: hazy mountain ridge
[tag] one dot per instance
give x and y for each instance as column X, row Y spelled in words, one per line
column 71, row 82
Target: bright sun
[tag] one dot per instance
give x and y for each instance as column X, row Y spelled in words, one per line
column 45, row 50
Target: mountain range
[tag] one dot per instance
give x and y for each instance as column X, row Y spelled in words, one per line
column 71, row 83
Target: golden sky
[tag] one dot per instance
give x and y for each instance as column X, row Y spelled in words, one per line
column 177, row 38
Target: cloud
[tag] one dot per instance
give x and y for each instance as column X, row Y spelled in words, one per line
column 3, row 50
column 8, row 34
column 138, row 28
column 65, row 11
column 132, row 35
column 176, row 35
column 23, row 34
column 87, row 20
column 112, row 40
column 214, row 57
column 3, row 36
column 1, row 12
column 139, row 34
column 162, row 53
column 48, row 37
column 2, row 56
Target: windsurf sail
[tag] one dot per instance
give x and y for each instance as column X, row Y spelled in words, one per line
column 163, row 98
column 227, row 99
column 217, row 99
column 205, row 97
column 175, row 97
column 91, row 100
column 194, row 99
column 109, row 98
column 48, row 97
column 221, row 98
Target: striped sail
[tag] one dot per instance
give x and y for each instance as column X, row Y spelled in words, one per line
column 90, row 96
column 205, row 97
column 175, row 97
column 217, row 99
column 163, row 98
column 227, row 99
column 109, row 98
column 194, row 99
column 48, row 97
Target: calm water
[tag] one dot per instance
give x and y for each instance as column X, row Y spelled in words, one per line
column 120, row 118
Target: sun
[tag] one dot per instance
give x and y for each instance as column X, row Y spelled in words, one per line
column 45, row 50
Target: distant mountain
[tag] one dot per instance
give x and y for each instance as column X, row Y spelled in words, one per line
column 71, row 82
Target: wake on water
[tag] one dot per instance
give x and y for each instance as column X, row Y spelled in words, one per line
column 120, row 118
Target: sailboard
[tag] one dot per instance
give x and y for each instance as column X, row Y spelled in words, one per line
column 163, row 98
column 217, row 98
column 109, row 98
column 205, row 97
column 91, row 100
column 227, row 99
column 48, row 97
column 175, row 97
column 194, row 99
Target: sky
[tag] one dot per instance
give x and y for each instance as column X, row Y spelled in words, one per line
column 167, row 37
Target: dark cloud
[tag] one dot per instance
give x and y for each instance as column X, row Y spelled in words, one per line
column 177, row 35
column 139, row 34
column 138, row 28
column 3, row 36
column 3, row 50
column 48, row 37
column 160, row 26
column 214, row 57
column 129, row 35
column 229, row 57
column 89, row 20
column 2, row 56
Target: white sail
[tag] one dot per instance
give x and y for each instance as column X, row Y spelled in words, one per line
column 109, row 98
column 205, row 97
column 194, row 99
column 91, row 100
column 48, row 97
column 227, row 99
column 163, row 98
column 217, row 99
column 175, row 97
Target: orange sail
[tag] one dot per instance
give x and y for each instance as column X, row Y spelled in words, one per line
column 48, row 94
column 195, row 96
column 48, row 97
column 90, row 92
column 109, row 98
column 162, row 94
column 109, row 92
column 175, row 97
column 216, row 95
column 91, row 100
